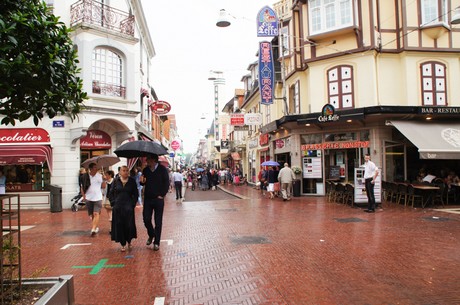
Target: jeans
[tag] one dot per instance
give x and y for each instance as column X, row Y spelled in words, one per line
column 153, row 207
column 178, row 187
column 286, row 190
column 370, row 193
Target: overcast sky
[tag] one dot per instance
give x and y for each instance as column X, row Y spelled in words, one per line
column 188, row 45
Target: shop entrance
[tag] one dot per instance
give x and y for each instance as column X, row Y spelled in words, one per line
column 340, row 164
column 395, row 162
column 283, row 158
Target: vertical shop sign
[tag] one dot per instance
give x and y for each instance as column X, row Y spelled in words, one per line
column 266, row 73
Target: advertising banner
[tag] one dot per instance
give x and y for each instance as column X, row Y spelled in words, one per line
column 266, row 73
column 267, row 22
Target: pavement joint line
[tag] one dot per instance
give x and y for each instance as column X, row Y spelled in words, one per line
column 232, row 193
column 98, row 267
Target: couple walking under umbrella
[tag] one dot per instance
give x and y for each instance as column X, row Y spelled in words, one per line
column 124, row 193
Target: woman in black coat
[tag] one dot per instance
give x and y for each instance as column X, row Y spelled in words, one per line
column 124, row 194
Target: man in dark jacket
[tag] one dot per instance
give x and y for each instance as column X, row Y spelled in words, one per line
column 155, row 179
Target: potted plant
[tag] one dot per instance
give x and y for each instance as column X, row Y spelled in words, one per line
column 297, row 170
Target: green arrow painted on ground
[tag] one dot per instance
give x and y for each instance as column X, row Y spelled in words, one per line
column 98, row 267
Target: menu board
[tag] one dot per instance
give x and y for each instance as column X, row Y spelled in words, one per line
column 312, row 167
column 334, row 172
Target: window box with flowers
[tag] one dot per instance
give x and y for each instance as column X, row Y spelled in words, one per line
column 297, row 170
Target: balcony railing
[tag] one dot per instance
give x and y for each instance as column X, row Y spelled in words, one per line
column 109, row 89
column 99, row 14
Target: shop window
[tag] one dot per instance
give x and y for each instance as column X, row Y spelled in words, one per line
column 434, row 11
column 434, row 84
column 340, row 87
column 329, row 15
column 107, row 73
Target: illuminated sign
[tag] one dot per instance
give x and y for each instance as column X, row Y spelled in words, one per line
column 266, row 73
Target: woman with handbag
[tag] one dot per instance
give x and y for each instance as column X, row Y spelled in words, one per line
column 123, row 195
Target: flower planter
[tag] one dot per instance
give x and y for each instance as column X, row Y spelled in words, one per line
column 60, row 290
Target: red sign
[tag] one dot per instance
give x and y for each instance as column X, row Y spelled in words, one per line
column 237, row 119
column 279, row 143
column 96, row 139
column 175, row 145
column 263, row 139
column 160, row 107
column 23, row 135
column 335, row 145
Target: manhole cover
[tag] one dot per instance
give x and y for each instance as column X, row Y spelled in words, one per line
column 352, row 219
column 249, row 240
column 76, row 233
column 435, row 218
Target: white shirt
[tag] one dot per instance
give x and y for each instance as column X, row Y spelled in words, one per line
column 94, row 192
column 370, row 170
column 177, row 177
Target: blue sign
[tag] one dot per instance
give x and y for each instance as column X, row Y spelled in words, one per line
column 267, row 23
column 58, row 123
column 171, row 155
column 266, row 73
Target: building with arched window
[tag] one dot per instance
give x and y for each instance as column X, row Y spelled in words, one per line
column 115, row 52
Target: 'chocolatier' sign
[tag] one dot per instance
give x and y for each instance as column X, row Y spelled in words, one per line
column 23, row 135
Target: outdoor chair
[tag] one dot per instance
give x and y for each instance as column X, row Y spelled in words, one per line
column 349, row 194
column 402, row 193
column 413, row 196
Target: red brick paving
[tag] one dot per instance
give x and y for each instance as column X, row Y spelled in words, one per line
column 256, row 251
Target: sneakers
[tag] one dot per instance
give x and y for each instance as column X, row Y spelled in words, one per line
column 156, row 247
column 149, row 241
column 93, row 233
column 97, row 230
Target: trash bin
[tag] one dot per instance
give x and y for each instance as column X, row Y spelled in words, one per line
column 296, row 188
column 55, row 198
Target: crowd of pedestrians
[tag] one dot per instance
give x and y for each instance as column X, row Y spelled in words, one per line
column 147, row 187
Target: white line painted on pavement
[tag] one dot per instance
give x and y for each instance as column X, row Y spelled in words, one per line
column 159, row 301
column 71, row 245
column 169, row 241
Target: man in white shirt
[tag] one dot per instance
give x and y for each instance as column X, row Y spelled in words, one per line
column 93, row 196
column 178, row 178
column 370, row 175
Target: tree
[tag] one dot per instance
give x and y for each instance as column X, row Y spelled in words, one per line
column 38, row 64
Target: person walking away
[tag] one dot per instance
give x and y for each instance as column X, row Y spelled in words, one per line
column 177, row 176
column 370, row 175
column 285, row 177
column 93, row 196
column 271, row 182
column 155, row 180
column 171, row 180
column 107, row 204
column 124, row 194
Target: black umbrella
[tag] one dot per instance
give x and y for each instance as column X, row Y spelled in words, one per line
column 140, row 148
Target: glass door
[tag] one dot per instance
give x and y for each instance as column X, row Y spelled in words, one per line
column 395, row 162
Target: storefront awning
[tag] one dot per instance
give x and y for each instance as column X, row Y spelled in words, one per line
column 26, row 154
column 434, row 140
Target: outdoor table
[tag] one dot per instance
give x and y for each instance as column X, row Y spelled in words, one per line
column 427, row 192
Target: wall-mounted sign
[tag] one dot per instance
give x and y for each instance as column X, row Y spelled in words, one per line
column 267, row 22
column 58, row 123
column 263, row 139
column 23, row 135
column 175, row 145
column 253, row 119
column 335, row 145
column 439, row 110
column 160, row 107
column 266, row 73
column 96, row 139
column 279, row 143
column 328, row 114
column 237, row 119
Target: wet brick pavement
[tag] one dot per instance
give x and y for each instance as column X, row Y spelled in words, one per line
column 255, row 251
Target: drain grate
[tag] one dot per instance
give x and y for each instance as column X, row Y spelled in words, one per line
column 249, row 240
column 347, row 220
column 76, row 233
column 436, row 219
